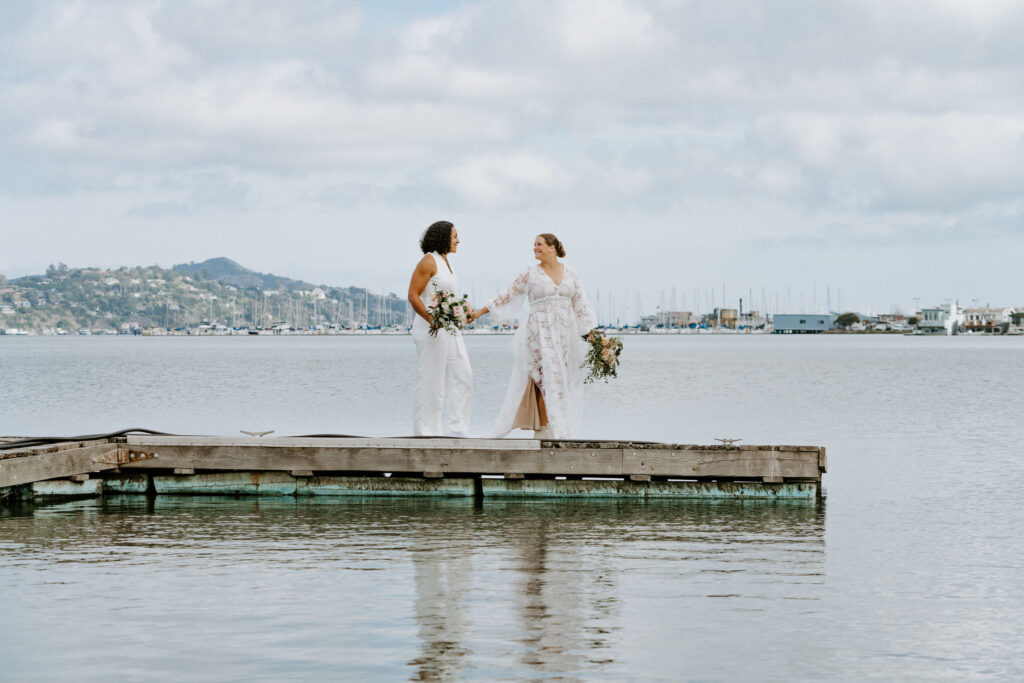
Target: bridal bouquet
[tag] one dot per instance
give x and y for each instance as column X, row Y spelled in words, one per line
column 602, row 361
column 448, row 313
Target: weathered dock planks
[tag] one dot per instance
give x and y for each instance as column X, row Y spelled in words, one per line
column 485, row 456
column 24, row 466
column 349, row 466
column 38, row 463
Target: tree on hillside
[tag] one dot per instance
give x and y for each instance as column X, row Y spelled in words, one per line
column 846, row 319
column 56, row 271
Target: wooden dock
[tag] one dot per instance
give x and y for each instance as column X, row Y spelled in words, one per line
column 336, row 466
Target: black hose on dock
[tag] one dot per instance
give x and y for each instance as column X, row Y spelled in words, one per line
column 361, row 436
column 46, row 440
column 327, row 436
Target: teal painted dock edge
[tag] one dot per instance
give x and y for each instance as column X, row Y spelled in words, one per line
column 284, row 484
column 558, row 488
column 51, row 490
column 65, row 488
column 273, row 483
column 126, row 484
column 385, row 486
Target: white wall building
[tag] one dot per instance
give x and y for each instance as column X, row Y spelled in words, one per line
column 948, row 319
column 990, row 320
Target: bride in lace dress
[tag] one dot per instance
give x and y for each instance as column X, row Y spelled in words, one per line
column 545, row 393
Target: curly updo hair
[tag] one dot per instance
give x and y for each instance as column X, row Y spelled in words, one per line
column 438, row 237
column 553, row 241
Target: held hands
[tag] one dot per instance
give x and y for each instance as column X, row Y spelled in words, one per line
column 476, row 314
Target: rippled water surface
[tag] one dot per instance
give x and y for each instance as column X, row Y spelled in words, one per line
column 911, row 567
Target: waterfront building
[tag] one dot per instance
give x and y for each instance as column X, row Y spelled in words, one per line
column 752, row 320
column 1017, row 320
column 947, row 319
column 803, row 323
column 722, row 317
column 667, row 319
column 891, row 321
column 988, row 320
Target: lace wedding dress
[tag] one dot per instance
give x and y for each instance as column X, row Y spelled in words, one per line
column 549, row 349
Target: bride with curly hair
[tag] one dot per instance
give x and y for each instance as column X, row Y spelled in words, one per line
column 545, row 392
column 443, row 376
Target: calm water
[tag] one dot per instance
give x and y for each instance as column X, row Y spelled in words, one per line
column 911, row 568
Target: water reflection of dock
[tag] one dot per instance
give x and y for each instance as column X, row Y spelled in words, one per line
column 557, row 580
column 339, row 466
column 418, row 588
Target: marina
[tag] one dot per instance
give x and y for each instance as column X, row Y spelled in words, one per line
column 154, row 464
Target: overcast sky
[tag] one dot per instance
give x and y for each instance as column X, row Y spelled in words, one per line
column 875, row 149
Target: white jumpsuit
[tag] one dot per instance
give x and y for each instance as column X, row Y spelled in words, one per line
column 444, row 379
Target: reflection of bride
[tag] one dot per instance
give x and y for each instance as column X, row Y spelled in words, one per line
column 442, row 581
column 545, row 393
column 553, row 609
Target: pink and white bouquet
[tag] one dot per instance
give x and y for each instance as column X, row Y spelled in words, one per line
column 448, row 312
column 602, row 360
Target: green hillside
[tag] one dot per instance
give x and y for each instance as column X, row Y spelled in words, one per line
column 218, row 291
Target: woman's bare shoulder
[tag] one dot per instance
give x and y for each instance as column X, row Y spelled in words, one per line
column 427, row 264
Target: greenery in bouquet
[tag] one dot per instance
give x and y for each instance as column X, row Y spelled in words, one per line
column 602, row 361
column 448, row 312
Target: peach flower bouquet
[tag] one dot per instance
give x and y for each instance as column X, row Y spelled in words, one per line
column 602, row 360
column 448, row 312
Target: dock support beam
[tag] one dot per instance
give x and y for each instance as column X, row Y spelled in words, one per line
column 482, row 468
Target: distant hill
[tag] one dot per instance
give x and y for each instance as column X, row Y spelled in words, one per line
column 218, row 291
column 228, row 272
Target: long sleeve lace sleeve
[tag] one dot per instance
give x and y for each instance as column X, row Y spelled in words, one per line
column 509, row 303
column 581, row 308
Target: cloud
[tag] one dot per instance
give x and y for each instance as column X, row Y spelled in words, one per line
column 851, row 122
column 892, row 161
column 443, row 77
column 605, row 30
column 989, row 223
column 56, row 133
column 184, row 194
column 233, row 30
column 494, row 180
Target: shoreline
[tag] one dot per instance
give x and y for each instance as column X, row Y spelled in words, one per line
column 474, row 333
